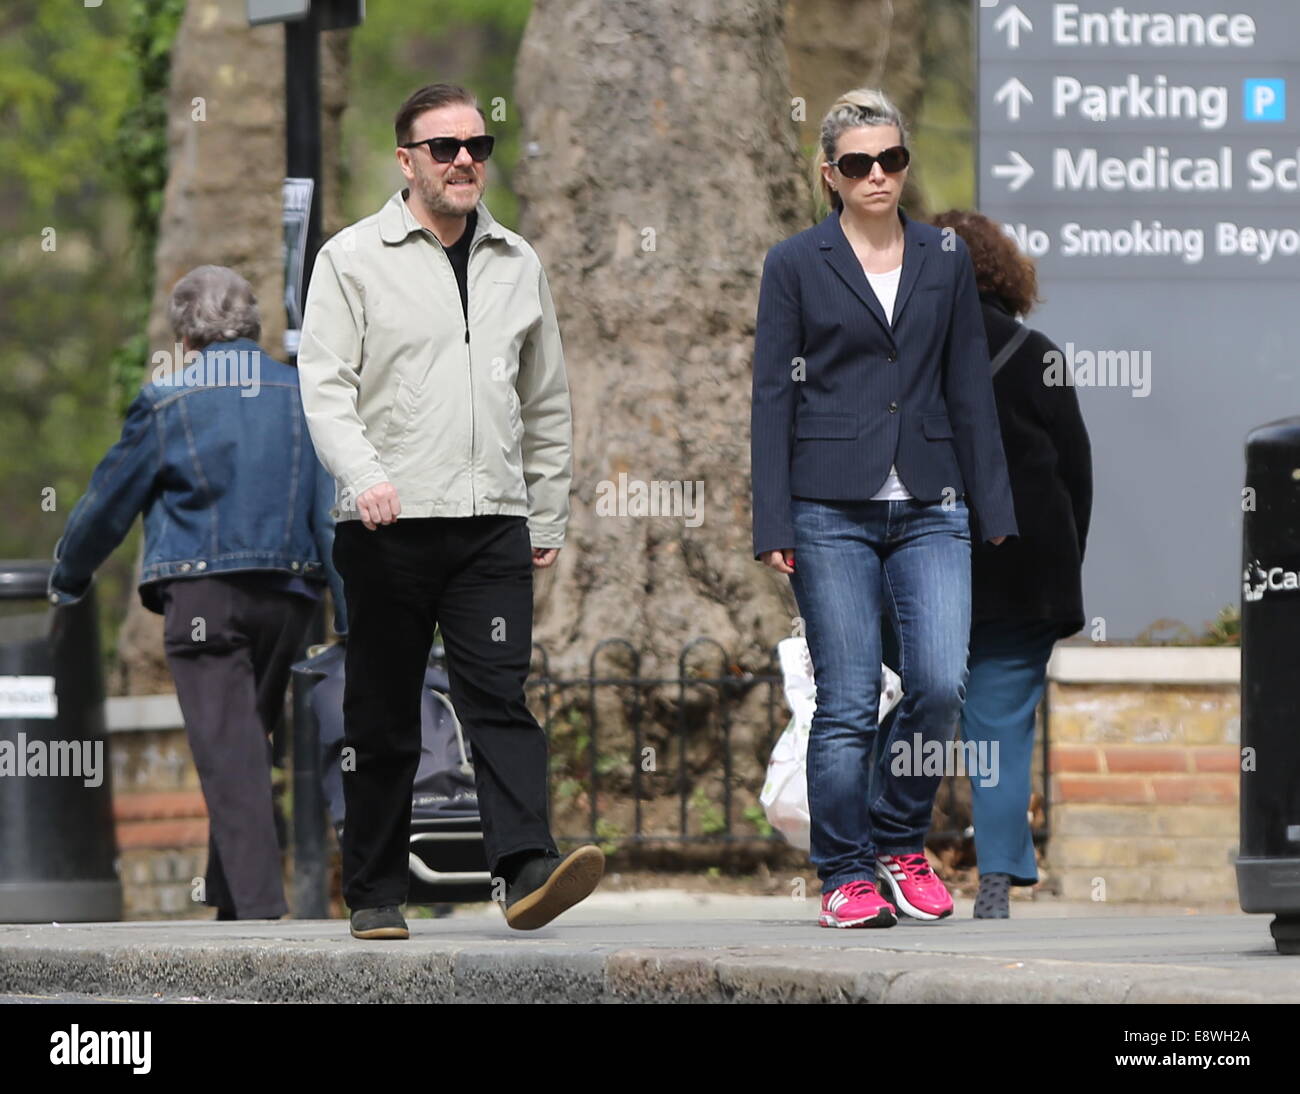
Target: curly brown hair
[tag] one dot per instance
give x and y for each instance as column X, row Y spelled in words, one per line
column 1001, row 268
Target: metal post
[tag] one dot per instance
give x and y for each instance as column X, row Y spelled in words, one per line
column 310, row 866
column 302, row 122
column 303, row 160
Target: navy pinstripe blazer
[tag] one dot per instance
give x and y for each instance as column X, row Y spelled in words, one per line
column 839, row 394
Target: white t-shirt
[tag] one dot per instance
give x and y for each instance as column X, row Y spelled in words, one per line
column 885, row 286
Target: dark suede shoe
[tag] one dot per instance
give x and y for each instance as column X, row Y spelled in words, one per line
column 547, row 885
column 385, row 922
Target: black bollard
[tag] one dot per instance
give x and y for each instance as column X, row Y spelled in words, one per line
column 1268, row 866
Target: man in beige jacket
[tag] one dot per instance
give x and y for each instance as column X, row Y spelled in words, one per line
column 432, row 377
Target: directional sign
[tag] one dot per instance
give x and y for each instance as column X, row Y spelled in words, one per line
column 1147, row 156
column 329, row 14
column 277, row 11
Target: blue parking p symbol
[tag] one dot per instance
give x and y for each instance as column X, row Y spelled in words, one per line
column 1264, row 100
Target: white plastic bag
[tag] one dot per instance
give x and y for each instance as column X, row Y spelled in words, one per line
column 785, row 793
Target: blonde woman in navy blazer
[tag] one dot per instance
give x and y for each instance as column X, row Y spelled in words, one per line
column 876, row 456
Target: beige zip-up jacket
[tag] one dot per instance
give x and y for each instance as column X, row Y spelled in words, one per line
column 463, row 418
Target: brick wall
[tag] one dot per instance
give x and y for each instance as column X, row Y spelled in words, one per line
column 161, row 823
column 1144, row 765
column 159, row 813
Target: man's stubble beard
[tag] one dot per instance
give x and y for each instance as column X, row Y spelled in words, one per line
column 435, row 200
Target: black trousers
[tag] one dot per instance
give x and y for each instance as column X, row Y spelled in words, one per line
column 230, row 642
column 473, row 578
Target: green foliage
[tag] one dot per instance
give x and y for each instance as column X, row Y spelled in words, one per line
column 138, row 157
column 138, row 153
column 1225, row 630
column 567, row 789
column 755, row 815
column 62, row 82
column 63, row 88
column 608, row 833
column 710, row 815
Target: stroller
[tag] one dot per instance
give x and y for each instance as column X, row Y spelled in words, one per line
column 447, row 859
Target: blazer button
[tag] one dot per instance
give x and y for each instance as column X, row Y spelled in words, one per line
column 893, row 408
column 893, row 357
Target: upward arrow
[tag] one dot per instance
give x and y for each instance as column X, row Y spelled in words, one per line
column 1013, row 21
column 1013, row 92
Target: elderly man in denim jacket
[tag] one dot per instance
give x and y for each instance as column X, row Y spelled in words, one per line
column 216, row 454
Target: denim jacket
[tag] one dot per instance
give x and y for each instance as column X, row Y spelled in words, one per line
column 219, row 460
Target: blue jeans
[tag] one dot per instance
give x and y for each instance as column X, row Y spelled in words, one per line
column 1008, row 666
column 853, row 561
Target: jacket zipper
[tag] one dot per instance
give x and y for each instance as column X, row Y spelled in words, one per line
column 469, row 369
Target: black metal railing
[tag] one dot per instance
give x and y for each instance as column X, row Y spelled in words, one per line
column 702, row 718
column 698, row 714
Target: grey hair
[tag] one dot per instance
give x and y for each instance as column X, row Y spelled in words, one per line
column 214, row 304
column 861, row 106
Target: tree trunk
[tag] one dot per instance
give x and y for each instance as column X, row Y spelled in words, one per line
column 837, row 45
column 659, row 164
column 222, row 206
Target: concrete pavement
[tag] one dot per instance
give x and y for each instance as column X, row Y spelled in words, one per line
column 668, row 946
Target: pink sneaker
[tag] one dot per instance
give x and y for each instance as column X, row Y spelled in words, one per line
column 856, row 904
column 913, row 886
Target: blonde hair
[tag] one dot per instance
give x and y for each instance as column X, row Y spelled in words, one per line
column 861, row 106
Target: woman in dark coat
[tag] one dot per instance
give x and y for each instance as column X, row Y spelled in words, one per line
column 1027, row 593
column 873, row 423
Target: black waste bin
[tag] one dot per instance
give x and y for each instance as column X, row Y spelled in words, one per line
column 58, row 849
column 1268, row 867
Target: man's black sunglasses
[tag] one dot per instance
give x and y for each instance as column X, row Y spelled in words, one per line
column 858, row 165
column 446, row 149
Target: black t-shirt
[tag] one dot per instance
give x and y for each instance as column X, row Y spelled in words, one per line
column 458, row 253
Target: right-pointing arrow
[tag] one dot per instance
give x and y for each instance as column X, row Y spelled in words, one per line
column 1013, row 21
column 1018, row 171
column 1013, row 93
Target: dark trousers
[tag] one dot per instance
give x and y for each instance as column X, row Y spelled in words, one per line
column 230, row 642
column 473, row 578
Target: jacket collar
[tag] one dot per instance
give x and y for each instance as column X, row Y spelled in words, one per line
column 992, row 300
column 838, row 251
column 236, row 344
column 396, row 222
